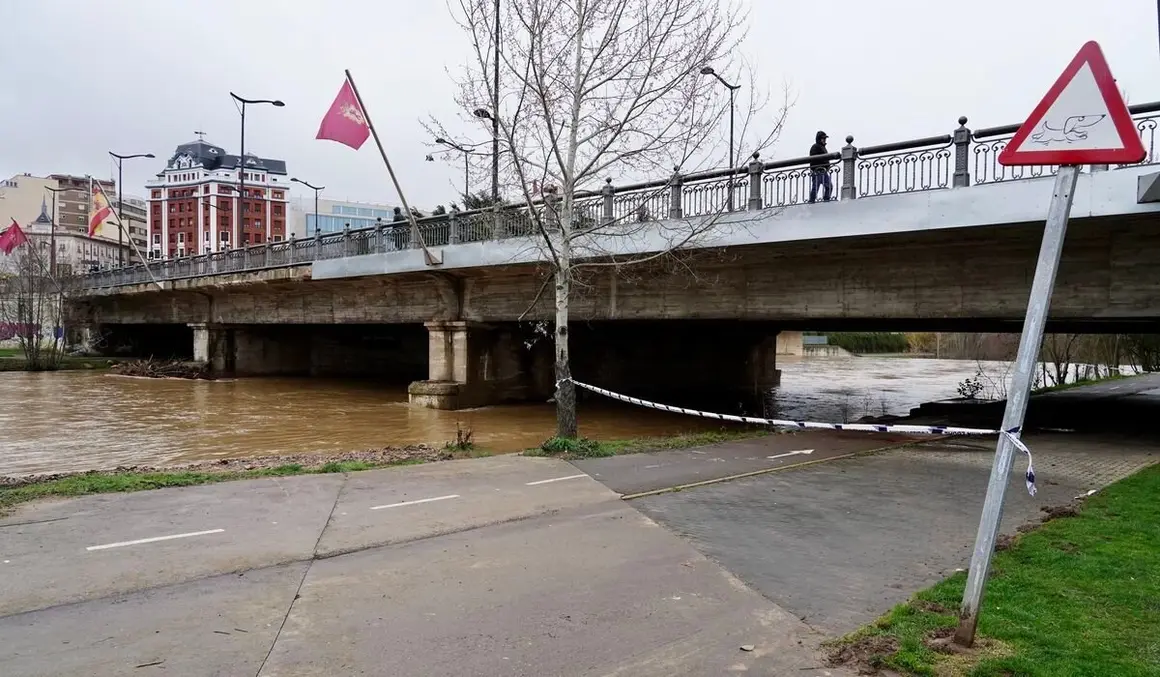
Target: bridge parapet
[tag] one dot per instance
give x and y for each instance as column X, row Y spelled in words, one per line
column 950, row 161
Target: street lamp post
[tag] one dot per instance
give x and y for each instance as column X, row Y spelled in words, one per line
column 238, row 225
column 317, row 190
column 120, row 202
column 52, row 231
column 485, row 114
column 466, row 163
column 708, row 70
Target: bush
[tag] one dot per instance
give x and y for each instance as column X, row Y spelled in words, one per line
column 579, row 447
column 863, row 342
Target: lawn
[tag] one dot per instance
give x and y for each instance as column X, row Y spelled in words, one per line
column 1079, row 596
column 587, row 448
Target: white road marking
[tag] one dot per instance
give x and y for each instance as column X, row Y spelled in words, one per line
column 153, row 540
column 556, row 479
column 791, row 453
column 416, row 502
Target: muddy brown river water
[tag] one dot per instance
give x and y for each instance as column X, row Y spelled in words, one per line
column 82, row 420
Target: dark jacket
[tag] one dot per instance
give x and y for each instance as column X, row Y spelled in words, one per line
column 818, row 164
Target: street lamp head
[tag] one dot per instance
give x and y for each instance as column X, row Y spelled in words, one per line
column 278, row 102
column 708, row 70
column 482, row 113
column 295, row 179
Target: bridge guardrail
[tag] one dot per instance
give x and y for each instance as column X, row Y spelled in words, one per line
column 953, row 160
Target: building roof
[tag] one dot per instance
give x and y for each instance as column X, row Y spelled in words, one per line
column 211, row 157
column 44, row 219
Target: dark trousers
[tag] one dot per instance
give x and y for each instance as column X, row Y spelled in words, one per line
column 820, row 177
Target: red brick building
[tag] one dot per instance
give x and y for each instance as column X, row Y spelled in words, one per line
column 194, row 206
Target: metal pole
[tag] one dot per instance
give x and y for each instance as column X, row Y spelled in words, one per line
column 317, row 225
column 1037, row 306
column 415, row 232
column 120, row 213
column 466, row 174
column 495, row 115
column 732, row 158
column 52, row 237
column 241, row 183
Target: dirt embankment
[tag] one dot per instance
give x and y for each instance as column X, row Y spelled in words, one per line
column 381, row 456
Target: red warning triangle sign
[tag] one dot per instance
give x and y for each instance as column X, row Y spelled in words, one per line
column 1082, row 121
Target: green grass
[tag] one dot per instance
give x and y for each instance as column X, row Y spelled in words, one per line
column 585, row 448
column 1079, row 384
column 1078, row 596
column 114, row 482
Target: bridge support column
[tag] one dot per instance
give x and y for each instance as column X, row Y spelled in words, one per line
column 211, row 345
column 472, row 365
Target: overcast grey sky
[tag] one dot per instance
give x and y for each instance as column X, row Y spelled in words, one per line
column 81, row 77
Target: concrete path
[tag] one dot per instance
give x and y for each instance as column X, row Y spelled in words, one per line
column 840, row 543
column 507, row 565
column 641, row 473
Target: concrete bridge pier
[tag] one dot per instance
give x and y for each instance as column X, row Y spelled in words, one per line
column 714, row 364
column 472, row 364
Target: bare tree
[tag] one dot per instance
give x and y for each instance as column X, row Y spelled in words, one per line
column 595, row 90
column 31, row 303
column 1059, row 350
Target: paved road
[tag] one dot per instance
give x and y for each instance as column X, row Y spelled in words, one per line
column 840, row 543
column 639, row 473
column 500, row 566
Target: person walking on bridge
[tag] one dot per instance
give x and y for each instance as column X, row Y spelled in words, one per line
column 820, row 169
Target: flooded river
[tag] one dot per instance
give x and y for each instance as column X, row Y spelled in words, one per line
column 82, row 420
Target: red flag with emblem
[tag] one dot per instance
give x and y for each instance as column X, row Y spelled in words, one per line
column 345, row 122
column 12, row 237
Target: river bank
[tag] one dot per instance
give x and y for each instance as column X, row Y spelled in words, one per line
column 1064, row 599
column 67, row 363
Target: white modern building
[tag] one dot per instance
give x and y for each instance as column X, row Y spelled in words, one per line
column 334, row 215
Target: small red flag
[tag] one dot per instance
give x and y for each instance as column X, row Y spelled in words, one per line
column 12, row 237
column 345, row 122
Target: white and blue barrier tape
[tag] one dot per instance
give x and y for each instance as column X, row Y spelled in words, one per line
column 1012, row 435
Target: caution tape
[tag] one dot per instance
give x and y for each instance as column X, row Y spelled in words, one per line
column 1012, row 435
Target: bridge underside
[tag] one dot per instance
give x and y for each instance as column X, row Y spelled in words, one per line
column 473, row 336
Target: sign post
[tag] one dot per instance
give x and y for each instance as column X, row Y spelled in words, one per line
column 1082, row 120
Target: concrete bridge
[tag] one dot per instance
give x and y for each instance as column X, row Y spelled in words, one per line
column 929, row 234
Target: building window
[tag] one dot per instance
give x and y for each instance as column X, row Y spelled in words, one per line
column 181, row 238
column 206, row 238
column 157, row 238
column 277, row 195
column 277, row 210
column 224, row 236
column 257, row 223
column 257, row 238
column 172, row 208
column 277, row 238
column 156, row 194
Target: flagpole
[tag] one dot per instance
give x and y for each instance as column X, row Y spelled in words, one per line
column 129, row 236
column 431, row 260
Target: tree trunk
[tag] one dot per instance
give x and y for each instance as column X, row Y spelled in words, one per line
column 565, row 389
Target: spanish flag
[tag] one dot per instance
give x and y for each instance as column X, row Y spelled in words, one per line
column 100, row 212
